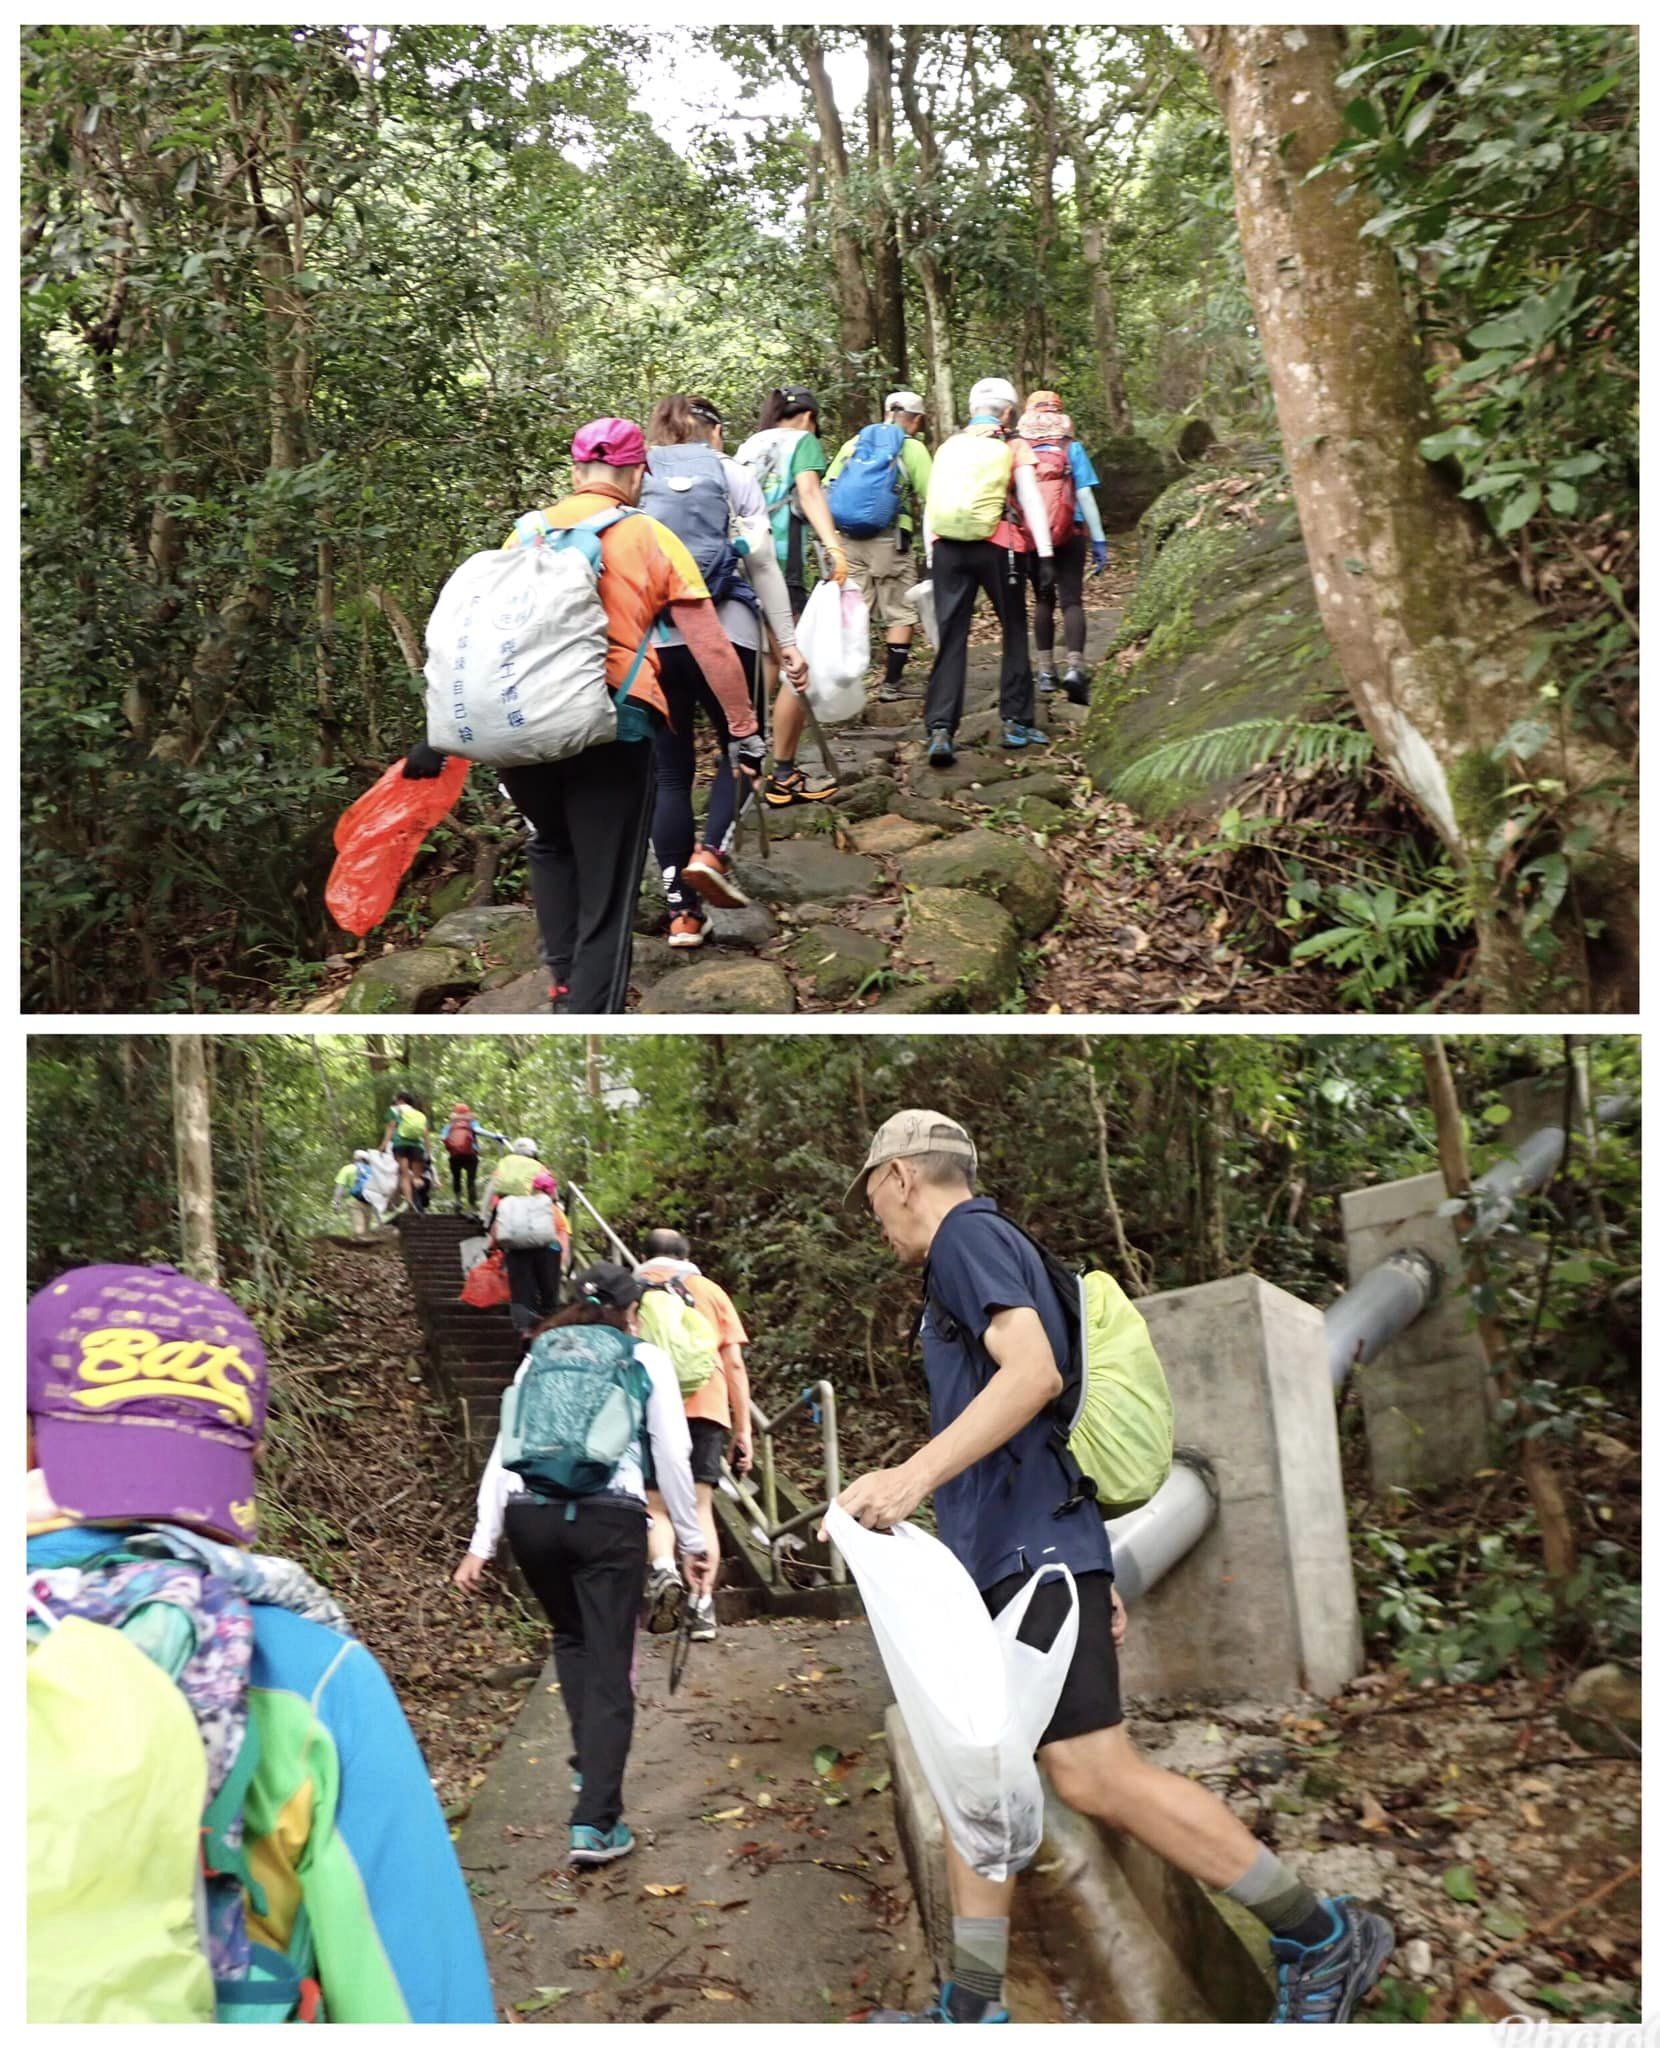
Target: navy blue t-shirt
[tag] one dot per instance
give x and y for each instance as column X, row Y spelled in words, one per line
column 1000, row 1516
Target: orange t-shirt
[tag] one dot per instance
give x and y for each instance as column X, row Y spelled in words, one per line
column 647, row 568
column 713, row 1400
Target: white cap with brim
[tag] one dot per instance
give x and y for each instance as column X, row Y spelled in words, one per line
column 909, row 1133
column 991, row 394
column 904, row 401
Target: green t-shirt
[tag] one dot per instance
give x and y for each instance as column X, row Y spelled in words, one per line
column 346, row 1175
column 411, row 1123
column 914, row 460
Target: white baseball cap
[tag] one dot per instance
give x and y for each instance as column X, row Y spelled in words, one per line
column 991, row 394
column 903, row 401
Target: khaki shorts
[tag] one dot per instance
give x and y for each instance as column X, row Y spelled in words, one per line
column 884, row 574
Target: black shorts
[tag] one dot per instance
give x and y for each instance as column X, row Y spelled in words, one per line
column 402, row 1149
column 1089, row 1699
column 708, row 1448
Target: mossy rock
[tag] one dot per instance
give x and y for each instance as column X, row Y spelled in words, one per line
column 923, row 810
column 869, row 798
column 470, row 930
column 1226, row 629
column 1049, row 784
column 837, row 961
column 965, row 944
column 1025, row 882
column 727, row 988
column 1133, row 473
column 891, row 834
column 807, row 871
column 411, row 983
column 455, row 894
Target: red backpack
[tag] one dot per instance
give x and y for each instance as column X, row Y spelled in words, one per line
column 459, row 1141
column 1053, row 471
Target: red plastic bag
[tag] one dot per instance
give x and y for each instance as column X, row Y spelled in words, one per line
column 377, row 839
column 486, row 1284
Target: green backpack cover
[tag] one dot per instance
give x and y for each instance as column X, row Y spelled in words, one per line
column 568, row 1424
column 671, row 1320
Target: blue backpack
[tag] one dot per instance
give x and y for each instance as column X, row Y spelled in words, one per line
column 864, row 499
column 685, row 488
column 581, row 1406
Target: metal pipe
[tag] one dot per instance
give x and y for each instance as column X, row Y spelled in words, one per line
column 832, row 1470
column 1377, row 1309
column 628, row 1257
column 1151, row 1540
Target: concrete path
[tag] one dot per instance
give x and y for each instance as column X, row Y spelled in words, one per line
column 768, row 1886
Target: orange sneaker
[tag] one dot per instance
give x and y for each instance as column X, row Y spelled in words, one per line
column 710, row 874
column 685, row 931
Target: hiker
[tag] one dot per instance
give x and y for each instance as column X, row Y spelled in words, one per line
column 993, row 1334
column 983, row 482
column 579, row 1535
column 168, row 1658
column 1067, row 479
column 526, row 1228
column 591, row 810
column 512, row 1174
column 426, row 1182
column 354, row 1183
column 877, row 487
column 695, row 488
column 716, row 1412
column 406, row 1135
column 460, row 1139
column 786, row 458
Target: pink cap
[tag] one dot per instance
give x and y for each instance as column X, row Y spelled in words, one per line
column 618, row 442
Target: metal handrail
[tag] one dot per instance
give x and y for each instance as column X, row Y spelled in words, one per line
column 768, row 1528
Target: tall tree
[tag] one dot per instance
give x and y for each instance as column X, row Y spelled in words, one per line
column 886, row 235
column 193, row 1145
column 1443, row 650
column 927, row 233
column 855, row 301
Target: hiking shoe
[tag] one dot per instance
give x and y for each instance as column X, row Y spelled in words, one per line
column 895, row 693
column 665, row 1597
column 1048, row 682
column 703, row 1619
column 686, row 930
column 1076, row 685
column 1020, row 735
column 780, row 791
column 1322, row 1986
column 710, row 874
column 600, row 1845
column 939, row 2014
column 941, row 753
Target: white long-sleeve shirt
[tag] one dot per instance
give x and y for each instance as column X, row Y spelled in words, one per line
column 671, row 1457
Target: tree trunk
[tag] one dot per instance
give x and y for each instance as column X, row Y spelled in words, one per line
column 1421, row 604
column 193, row 1145
column 1544, row 1483
column 1094, row 232
column 855, row 305
column 1035, row 84
column 886, row 234
column 936, row 295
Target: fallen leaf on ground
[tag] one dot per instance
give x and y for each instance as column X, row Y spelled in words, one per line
column 726, row 1813
column 664, row 1891
column 543, row 1996
column 1372, row 1816
column 604, row 1959
column 715, row 1992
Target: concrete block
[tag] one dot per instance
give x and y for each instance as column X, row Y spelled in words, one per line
column 1426, row 1397
column 1264, row 1606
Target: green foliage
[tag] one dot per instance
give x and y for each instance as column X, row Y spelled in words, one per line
column 1380, row 939
column 1211, row 757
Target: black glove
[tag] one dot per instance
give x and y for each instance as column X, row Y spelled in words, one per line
column 748, row 757
column 425, row 763
column 1043, row 576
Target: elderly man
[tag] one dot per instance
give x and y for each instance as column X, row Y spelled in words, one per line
column 993, row 1340
column 877, row 487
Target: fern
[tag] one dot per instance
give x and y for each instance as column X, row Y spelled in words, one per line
column 1182, row 765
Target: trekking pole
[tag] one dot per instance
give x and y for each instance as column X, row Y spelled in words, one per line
column 817, row 731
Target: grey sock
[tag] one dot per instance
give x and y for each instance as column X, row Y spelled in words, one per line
column 979, row 1956
column 1281, row 1901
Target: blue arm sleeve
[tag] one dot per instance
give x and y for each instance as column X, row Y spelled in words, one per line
column 1092, row 514
column 389, row 1819
column 1083, row 470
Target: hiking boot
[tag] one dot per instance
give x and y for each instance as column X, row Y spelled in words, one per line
column 600, row 1845
column 941, row 753
column 703, row 1618
column 665, row 1597
column 1322, row 1986
column 1047, row 681
column 1076, row 684
column 780, row 791
column 710, row 874
column 686, row 930
column 939, row 2014
column 894, row 693
column 1016, row 734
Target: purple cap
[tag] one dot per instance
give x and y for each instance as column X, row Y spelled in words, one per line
column 147, row 1392
column 618, row 442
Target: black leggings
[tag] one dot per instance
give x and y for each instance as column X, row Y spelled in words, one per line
column 1070, row 557
column 673, row 828
column 465, row 1163
column 586, row 1570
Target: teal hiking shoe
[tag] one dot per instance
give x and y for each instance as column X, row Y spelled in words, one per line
column 1321, row 1986
column 941, row 753
column 939, row 2014
column 1014, row 735
column 600, row 1845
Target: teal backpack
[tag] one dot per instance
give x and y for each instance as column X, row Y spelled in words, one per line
column 568, row 1424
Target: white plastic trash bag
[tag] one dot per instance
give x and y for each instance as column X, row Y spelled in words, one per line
column 920, row 598
column 472, row 1250
column 382, row 1185
column 976, row 1699
column 833, row 634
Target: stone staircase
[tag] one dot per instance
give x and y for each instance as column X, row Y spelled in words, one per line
column 471, row 1353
